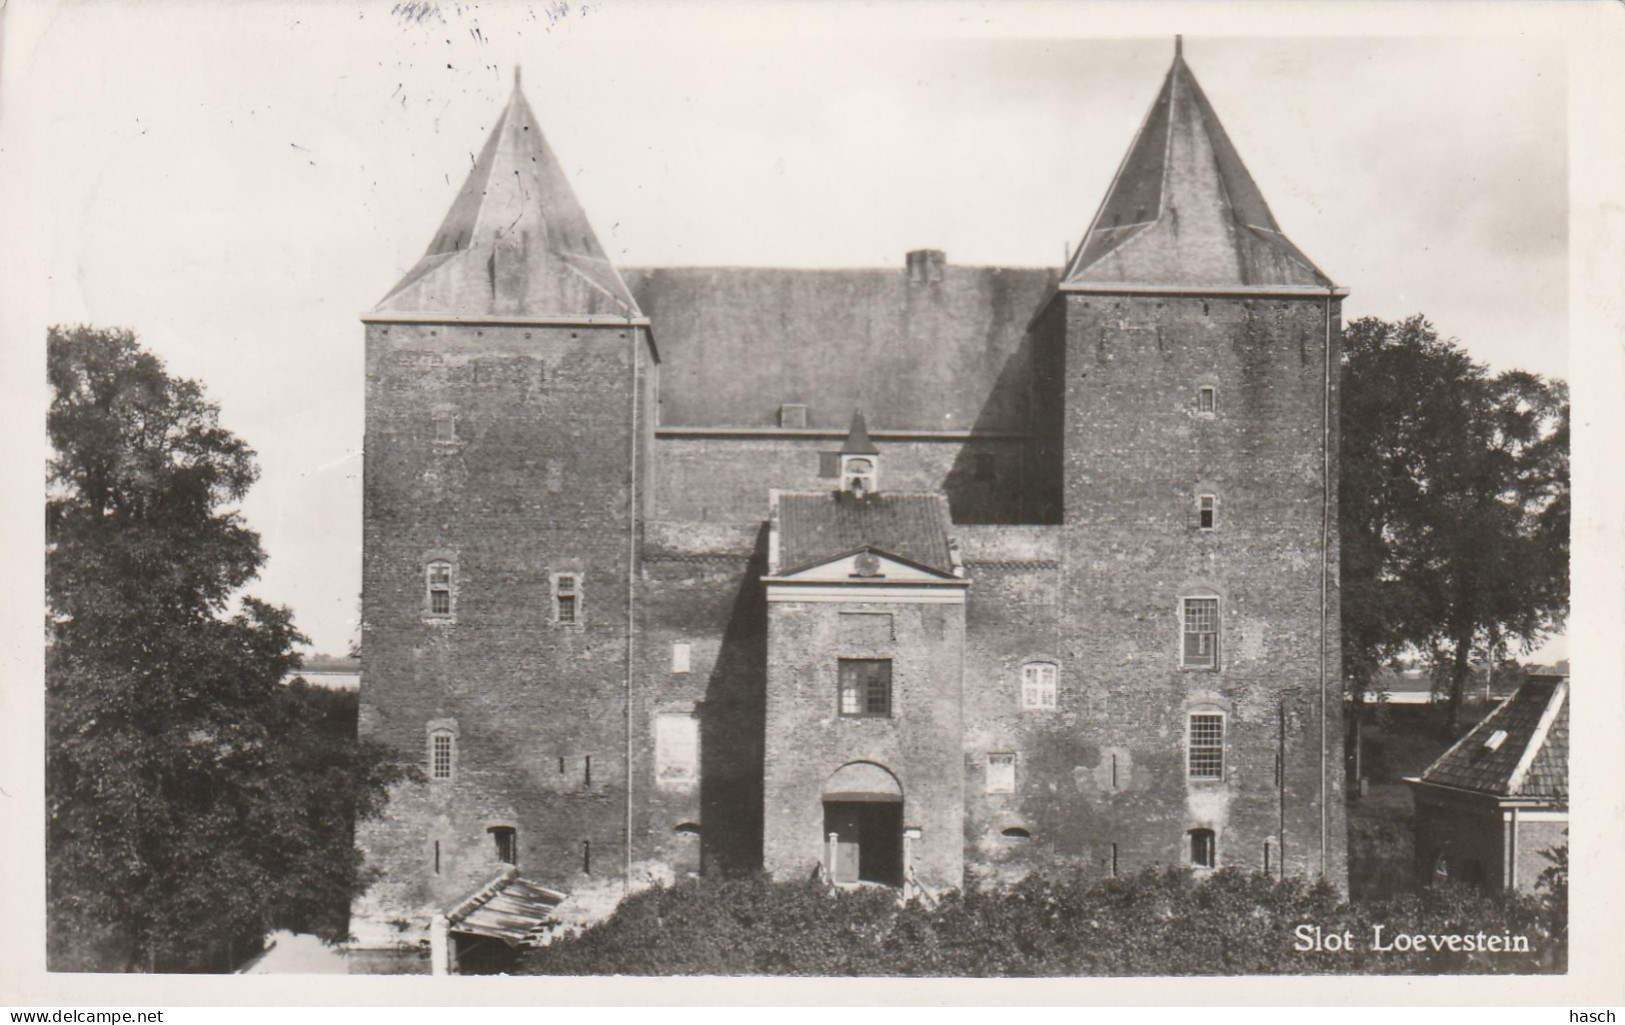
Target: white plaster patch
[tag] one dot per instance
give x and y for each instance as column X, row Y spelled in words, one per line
column 1208, row 807
column 1252, row 640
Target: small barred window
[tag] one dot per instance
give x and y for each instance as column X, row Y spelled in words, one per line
column 1038, row 685
column 567, row 599
column 1001, row 773
column 1204, row 848
column 438, row 589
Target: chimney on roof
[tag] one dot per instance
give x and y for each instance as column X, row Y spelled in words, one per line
column 925, row 266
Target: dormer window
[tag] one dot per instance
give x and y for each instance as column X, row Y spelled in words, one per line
column 858, row 475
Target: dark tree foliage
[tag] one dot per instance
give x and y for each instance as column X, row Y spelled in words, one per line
column 1160, row 922
column 1453, row 505
column 193, row 801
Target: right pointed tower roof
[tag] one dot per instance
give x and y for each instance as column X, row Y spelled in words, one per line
column 1183, row 211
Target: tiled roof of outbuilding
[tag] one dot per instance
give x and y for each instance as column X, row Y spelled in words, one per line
column 1531, row 760
column 818, row 525
column 1184, row 211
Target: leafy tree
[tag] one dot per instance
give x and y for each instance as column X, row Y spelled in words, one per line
column 193, row 801
column 1453, row 505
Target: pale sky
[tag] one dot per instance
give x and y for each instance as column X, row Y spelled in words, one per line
column 239, row 182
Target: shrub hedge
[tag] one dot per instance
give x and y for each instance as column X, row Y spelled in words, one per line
column 1161, row 922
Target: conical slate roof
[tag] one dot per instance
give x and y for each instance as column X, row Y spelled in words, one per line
column 1183, row 211
column 515, row 242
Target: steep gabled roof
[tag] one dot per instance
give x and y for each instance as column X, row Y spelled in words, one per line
column 1520, row 750
column 1183, row 211
column 814, row 526
column 516, row 241
column 736, row 343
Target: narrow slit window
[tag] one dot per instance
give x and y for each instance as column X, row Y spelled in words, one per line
column 1207, row 511
column 1206, row 746
column 1201, row 633
column 437, row 584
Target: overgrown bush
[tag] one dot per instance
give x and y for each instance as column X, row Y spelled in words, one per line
column 1157, row 923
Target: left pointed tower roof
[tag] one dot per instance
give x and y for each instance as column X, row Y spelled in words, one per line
column 515, row 242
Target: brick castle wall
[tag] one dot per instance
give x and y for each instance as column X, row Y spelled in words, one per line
column 1137, row 454
column 506, row 451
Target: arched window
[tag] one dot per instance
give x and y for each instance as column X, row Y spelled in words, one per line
column 438, row 580
column 1204, row 848
column 1017, row 833
column 1038, row 685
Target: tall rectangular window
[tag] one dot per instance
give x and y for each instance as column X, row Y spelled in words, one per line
column 566, row 599
column 437, row 582
column 865, row 686
column 1206, row 511
column 1038, row 685
column 1201, row 633
column 680, row 651
column 1207, row 400
column 1001, row 773
column 440, row 755
column 1206, row 741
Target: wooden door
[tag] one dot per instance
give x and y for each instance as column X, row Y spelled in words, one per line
column 843, row 820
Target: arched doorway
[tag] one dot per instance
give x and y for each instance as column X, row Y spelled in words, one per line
column 863, row 825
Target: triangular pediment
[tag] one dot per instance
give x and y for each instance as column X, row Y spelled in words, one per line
column 863, row 566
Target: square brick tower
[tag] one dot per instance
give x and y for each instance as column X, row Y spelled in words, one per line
column 508, row 419
column 1188, row 369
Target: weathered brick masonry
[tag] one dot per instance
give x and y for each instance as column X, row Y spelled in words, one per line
column 970, row 638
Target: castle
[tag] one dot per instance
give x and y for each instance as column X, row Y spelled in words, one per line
column 884, row 576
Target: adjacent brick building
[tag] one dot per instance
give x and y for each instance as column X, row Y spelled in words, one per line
column 652, row 601
column 1489, row 808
